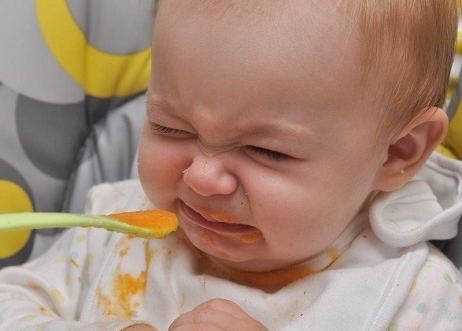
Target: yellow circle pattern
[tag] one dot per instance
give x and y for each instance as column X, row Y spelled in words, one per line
column 13, row 199
column 101, row 74
column 452, row 145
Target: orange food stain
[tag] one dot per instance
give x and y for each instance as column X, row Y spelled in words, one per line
column 123, row 252
column 224, row 256
column 275, row 279
column 107, row 305
column 122, row 301
column 34, row 286
column 224, row 217
column 251, row 238
column 206, row 238
column 149, row 253
column 154, row 219
column 333, row 254
column 271, row 279
column 126, row 286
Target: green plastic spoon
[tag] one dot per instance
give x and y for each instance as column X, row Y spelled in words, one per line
column 154, row 223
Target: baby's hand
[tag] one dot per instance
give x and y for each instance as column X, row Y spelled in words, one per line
column 139, row 328
column 216, row 315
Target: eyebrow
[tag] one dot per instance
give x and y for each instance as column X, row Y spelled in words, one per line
column 159, row 103
column 153, row 102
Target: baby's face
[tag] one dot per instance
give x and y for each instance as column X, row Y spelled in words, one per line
column 255, row 133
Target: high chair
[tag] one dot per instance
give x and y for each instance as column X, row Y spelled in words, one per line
column 72, row 80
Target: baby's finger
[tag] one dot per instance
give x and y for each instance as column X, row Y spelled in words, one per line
column 209, row 316
column 194, row 327
column 216, row 314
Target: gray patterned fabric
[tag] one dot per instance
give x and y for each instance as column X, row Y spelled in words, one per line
column 72, row 74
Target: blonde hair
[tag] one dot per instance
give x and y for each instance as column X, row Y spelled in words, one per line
column 409, row 48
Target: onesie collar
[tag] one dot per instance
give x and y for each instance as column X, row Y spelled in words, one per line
column 426, row 208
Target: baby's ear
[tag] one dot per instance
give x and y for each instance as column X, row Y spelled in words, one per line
column 412, row 147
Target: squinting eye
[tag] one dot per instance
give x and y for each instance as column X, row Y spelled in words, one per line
column 269, row 154
column 166, row 130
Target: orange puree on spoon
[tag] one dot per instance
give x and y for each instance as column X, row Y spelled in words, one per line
column 148, row 219
column 157, row 220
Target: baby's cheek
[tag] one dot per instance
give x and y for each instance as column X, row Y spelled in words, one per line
column 159, row 186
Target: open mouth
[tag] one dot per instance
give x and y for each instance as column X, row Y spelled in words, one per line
column 222, row 224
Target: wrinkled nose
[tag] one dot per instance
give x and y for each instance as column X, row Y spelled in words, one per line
column 207, row 176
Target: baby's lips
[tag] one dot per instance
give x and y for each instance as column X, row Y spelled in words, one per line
column 228, row 226
column 219, row 216
column 252, row 235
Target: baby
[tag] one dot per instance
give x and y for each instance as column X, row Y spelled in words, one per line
column 287, row 137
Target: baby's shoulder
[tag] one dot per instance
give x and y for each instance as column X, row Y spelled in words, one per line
column 434, row 301
column 439, row 270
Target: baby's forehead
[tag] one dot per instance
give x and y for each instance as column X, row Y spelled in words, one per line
column 256, row 8
column 298, row 32
column 305, row 19
column 305, row 61
column 401, row 42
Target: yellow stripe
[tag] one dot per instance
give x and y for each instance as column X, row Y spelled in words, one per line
column 101, row 74
column 13, row 199
column 453, row 139
column 459, row 42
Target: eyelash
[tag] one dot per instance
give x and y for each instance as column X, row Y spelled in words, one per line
column 269, row 154
column 166, row 130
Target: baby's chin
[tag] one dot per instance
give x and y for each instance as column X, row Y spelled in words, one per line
column 205, row 244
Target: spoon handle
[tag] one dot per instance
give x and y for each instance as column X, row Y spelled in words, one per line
column 37, row 220
column 43, row 220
